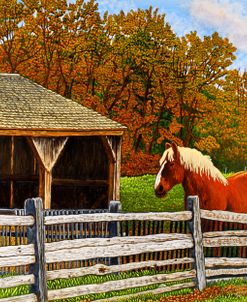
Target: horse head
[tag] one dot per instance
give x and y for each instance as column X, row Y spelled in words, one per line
column 171, row 171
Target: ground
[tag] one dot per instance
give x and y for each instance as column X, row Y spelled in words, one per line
column 229, row 291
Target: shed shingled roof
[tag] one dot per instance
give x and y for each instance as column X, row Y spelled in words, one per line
column 27, row 105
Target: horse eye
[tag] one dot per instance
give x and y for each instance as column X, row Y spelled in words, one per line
column 171, row 164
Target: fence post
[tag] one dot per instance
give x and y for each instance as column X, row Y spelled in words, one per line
column 36, row 235
column 196, row 230
column 114, row 207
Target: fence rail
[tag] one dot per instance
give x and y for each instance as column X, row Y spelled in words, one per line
column 39, row 251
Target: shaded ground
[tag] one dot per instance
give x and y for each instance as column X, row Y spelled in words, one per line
column 210, row 293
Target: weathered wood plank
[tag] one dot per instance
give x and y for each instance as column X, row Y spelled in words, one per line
column 79, row 182
column 116, row 250
column 101, row 269
column 47, row 189
column 211, row 262
column 16, row 280
column 16, row 260
column 16, row 220
column 111, row 172
column 225, row 241
column 36, row 236
column 222, row 278
column 227, row 272
column 23, row 298
column 224, row 216
column 49, row 149
column 105, row 242
column 225, row 234
column 60, row 132
column 152, row 216
column 118, row 285
column 195, row 228
column 157, row 291
column 113, row 226
column 18, row 250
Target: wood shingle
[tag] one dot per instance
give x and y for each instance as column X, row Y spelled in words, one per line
column 28, row 107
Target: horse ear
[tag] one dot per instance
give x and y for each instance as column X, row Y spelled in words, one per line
column 175, row 150
column 167, row 146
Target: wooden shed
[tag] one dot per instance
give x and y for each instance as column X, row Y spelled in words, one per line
column 55, row 148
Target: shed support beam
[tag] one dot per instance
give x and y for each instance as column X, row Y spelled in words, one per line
column 110, row 152
column 107, row 143
column 45, row 182
column 117, row 167
column 47, row 189
column 47, row 150
column 112, row 146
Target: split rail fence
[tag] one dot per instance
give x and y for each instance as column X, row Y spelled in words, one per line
column 42, row 258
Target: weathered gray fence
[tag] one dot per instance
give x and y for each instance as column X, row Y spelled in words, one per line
column 38, row 254
column 17, row 235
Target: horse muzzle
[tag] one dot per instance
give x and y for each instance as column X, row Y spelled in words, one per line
column 160, row 191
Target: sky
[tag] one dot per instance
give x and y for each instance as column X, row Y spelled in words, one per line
column 227, row 17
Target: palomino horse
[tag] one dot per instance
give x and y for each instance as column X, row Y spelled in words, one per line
column 200, row 177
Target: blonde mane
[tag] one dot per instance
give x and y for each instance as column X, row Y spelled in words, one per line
column 195, row 161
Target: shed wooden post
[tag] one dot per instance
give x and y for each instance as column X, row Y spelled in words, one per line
column 47, row 189
column 108, row 146
column 36, row 236
column 116, row 145
column 112, row 146
column 195, row 229
column 118, row 167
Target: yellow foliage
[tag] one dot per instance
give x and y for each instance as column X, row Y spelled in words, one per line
column 207, row 144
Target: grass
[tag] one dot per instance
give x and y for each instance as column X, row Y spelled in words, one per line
column 92, row 279
column 137, row 195
column 63, row 283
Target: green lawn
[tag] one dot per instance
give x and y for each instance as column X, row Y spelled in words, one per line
column 137, row 195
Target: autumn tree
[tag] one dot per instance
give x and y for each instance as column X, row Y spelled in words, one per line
column 227, row 127
column 140, row 41
column 198, row 66
column 17, row 44
column 132, row 68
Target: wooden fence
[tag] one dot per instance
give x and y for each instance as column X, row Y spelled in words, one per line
column 17, row 235
column 37, row 253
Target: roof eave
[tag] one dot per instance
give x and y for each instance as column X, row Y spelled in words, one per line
column 61, row 132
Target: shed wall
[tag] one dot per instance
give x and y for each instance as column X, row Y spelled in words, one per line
column 80, row 177
column 19, row 176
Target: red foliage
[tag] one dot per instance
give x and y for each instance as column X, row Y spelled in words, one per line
column 139, row 164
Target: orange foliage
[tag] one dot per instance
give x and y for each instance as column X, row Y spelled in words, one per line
column 132, row 68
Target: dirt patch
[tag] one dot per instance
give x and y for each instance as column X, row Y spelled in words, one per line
column 208, row 293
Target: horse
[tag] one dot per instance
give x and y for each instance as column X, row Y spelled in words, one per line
column 200, row 177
